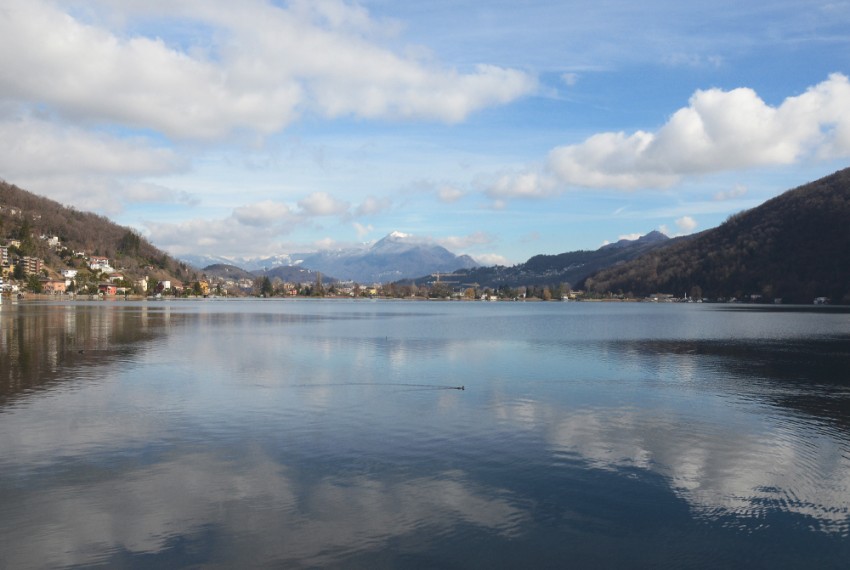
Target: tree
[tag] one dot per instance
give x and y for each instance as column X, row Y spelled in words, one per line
column 440, row 290
column 266, row 288
column 130, row 243
column 318, row 289
column 34, row 283
column 696, row 292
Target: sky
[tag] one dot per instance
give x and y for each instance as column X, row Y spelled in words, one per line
column 498, row 129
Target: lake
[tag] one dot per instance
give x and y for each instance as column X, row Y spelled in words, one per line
column 397, row 434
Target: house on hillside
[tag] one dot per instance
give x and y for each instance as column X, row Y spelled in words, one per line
column 100, row 264
column 32, row 265
column 107, row 289
column 52, row 241
column 54, row 286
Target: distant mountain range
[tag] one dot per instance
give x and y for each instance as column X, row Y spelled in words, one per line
column 795, row 247
column 249, row 264
column 287, row 273
column 397, row 256
column 571, row 267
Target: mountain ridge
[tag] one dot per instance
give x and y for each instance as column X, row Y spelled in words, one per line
column 564, row 268
column 793, row 247
column 395, row 256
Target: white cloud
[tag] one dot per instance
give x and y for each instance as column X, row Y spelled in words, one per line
column 257, row 68
column 323, row 204
column 326, row 243
column 264, row 213
column 460, row 243
column 449, row 194
column 227, row 237
column 569, row 79
column 139, row 192
column 31, row 146
column 693, row 60
column 362, row 231
column 488, row 259
column 736, row 192
column 686, row 225
column 250, row 230
column 87, row 169
column 522, row 185
column 630, row 237
column 718, row 131
column 372, row 205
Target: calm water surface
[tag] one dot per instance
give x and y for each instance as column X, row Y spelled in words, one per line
column 331, row 434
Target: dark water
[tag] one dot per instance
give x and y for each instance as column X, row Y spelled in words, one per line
column 330, row 434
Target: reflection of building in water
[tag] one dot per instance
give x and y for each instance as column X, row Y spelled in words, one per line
column 41, row 345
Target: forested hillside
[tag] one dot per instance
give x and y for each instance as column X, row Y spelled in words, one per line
column 795, row 247
column 567, row 268
column 30, row 219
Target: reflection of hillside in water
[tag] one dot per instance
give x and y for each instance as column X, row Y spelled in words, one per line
column 41, row 345
column 809, row 376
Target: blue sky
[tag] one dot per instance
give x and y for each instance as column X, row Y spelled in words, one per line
column 498, row 129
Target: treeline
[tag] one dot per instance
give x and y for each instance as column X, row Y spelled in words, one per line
column 795, row 247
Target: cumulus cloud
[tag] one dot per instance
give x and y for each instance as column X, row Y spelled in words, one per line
column 363, row 231
column 141, row 192
column 630, row 237
column 263, row 213
column 372, row 205
column 449, row 194
column 87, row 169
column 686, row 224
column 258, row 68
column 228, row 237
column 252, row 229
column 323, row 204
column 522, row 185
column 487, row 259
column 736, row 192
column 460, row 243
column 718, row 131
column 31, row 146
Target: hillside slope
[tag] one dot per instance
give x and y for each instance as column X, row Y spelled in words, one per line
column 795, row 247
column 570, row 267
column 27, row 217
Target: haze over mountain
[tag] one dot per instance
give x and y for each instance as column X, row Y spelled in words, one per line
column 396, row 256
column 795, row 247
column 249, row 264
